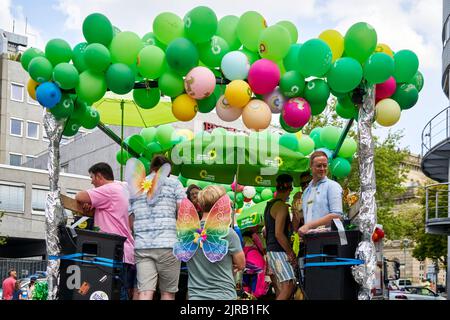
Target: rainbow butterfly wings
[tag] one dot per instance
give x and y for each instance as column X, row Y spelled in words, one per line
column 139, row 183
column 191, row 235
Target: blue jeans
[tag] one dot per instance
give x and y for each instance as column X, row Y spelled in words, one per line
column 128, row 278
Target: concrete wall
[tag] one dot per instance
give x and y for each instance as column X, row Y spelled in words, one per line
column 30, row 225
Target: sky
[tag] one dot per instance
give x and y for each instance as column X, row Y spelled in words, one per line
column 402, row 24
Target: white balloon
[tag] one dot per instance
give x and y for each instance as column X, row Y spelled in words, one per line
column 235, row 65
column 249, row 192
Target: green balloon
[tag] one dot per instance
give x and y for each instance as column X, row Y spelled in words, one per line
column 346, row 101
column 406, row 65
column 171, row 84
column 146, row 164
column 164, row 135
column 79, row 110
column 29, row 55
column 151, row 62
column 122, row 156
column 137, row 143
column 91, row 87
column 64, row 108
column 97, row 57
column 125, row 48
column 291, row 28
column 71, row 128
column 345, row 75
column 340, row 167
column 183, row 180
column 239, row 197
column 329, row 137
column 290, row 141
column 230, row 194
column 406, row 95
column 120, row 78
column 78, row 56
column 346, row 112
column 208, row 104
column 150, row 39
column 227, row 29
column 40, row 69
column 338, row 94
column 348, row 148
column 257, row 198
column 314, row 58
column 292, row 84
column 360, row 41
column 148, row 134
column 66, row 76
column 58, row 51
column 154, row 147
column 91, row 118
column 274, row 43
column 98, row 29
column 116, row 31
column 315, row 135
column 212, row 52
column 378, row 68
column 249, row 29
column 266, row 194
column 291, row 61
column 317, row 91
column 252, row 56
column 167, row 27
column 287, row 127
column 200, row 24
column 182, row 55
column 147, row 98
column 417, row 81
column 318, row 107
column 306, row 145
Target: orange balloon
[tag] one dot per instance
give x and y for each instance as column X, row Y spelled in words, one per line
column 257, row 115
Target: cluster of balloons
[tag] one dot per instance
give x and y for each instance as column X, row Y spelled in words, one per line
column 267, row 70
column 151, row 141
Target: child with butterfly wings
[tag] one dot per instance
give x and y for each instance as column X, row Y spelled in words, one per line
column 210, row 247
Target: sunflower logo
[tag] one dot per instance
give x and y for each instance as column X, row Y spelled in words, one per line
column 259, row 179
column 279, row 161
column 212, row 154
column 203, row 174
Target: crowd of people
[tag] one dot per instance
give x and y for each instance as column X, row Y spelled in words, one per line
column 150, row 227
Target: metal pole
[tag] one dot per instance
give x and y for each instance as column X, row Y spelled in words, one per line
column 342, row 137
column 117, row 139
column 121, row 138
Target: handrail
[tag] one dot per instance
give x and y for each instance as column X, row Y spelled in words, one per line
column 441, row 201
column 429, row 136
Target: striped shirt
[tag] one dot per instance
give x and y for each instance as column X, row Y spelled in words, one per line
column 155, row 225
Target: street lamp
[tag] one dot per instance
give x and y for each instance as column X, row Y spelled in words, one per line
column 406, row 242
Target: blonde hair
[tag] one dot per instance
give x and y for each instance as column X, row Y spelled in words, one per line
column 209, row 196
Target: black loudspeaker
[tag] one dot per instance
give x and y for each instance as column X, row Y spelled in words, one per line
column 97, row 274
column 330, row 282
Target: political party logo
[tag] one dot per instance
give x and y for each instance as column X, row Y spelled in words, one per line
column 99, row 295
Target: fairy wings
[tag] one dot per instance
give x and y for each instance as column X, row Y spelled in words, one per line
column 210, row 238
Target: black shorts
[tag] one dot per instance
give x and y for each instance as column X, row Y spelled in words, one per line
column 129, row 276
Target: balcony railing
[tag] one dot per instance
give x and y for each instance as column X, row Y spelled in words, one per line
column 436, row 130
column 437, row 216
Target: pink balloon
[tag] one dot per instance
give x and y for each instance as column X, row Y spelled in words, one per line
column 386, row 89
column 263, row 76
column 200, row 83
column 226, row 112
column 296, row 112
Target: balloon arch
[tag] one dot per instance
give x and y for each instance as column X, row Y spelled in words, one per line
column 239, row 66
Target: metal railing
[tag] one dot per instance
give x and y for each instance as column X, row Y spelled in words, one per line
column 436, row 130
column 437, row 201
column 24, row 267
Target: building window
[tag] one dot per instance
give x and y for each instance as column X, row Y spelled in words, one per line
column 17, row 91
column 38, row 200
column 29, row 160
column 65, row 168
column 12, row 198
column 16, row 126
column 32, row 130
column 15, row 159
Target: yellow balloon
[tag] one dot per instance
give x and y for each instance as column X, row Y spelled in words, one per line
column 31, row 88
column 188, row 134
column 299, row 135
column 238, row 93
column 335, row 41
column 184, row 108
column 384, row 48
column 387, row 112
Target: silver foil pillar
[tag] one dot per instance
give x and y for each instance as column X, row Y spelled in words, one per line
column 365, row 274
column 54, row 215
